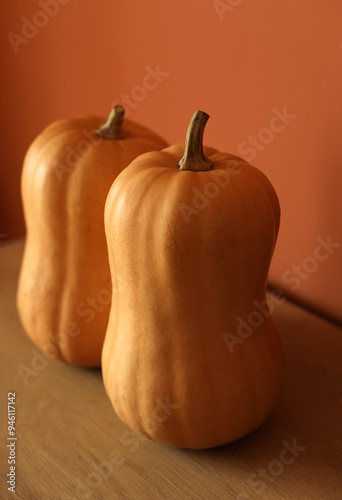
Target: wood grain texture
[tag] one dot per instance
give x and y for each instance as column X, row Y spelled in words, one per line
column 71, row 445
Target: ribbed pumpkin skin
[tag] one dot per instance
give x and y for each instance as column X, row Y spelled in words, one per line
column 180, row 286
column 65, row 260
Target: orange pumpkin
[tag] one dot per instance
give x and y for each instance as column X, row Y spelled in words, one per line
column 64, row 289
column 190, row 234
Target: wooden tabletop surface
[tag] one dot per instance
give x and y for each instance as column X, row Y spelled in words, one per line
column 70, row 444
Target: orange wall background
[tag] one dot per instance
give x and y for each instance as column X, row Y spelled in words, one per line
column 244, row 62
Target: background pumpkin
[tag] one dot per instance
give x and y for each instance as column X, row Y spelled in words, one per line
column 192, row 233
column 64, row 289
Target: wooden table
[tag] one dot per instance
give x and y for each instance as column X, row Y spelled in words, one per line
column 71, row 445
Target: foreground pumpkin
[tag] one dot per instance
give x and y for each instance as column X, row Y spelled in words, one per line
column 65, row 287
column 190, row 235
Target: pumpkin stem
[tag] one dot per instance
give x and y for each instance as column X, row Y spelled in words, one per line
column 112, row 128
column 194, row 158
